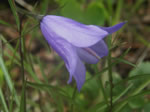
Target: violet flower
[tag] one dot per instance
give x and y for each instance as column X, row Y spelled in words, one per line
column 76, row 43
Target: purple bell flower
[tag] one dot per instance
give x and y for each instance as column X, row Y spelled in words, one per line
column 76, row 43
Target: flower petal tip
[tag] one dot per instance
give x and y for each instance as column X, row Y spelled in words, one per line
column 114, row 28
column 79, row 86
column 70, row 80
column 122, row 23
column 79, row 89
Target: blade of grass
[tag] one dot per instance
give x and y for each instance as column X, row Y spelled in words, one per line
column 27, row 67
column 32, row 73
column 3, row 101
column 141, row 87
column 103, row 92
column 23, row 99
column 57, row 94
column 141, row 39
column 103, row 105
column 73, row 98
column 100, row 106
column 48, row 87
column 106, row 68
column 11, row 102
column 16, row 60
column 22, row 55
column 132, row 94
column 5, row 23
column 8, row 45
column 133, row 78
column 110, row 6
column 124, row 61
column 118, row 11
column 8, row 79
column 14, row 53
column 122, row 93
column 58, row 68
column 42, row 70
column 14, row 11
column 137, row 5
column 44, row 8
column 109, row 60
column 122, row 103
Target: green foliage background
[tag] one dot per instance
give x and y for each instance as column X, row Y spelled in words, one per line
column 130, row 93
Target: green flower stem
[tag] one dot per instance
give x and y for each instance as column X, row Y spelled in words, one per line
column 22, row 64
column 110, row 75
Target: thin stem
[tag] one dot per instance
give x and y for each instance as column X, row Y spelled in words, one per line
column 103, row 91
column 22, row 64
column 110, row 81
column 73, row 97
column 1, row 47
column 29, row 30
column 110, row 76
column 38, row 17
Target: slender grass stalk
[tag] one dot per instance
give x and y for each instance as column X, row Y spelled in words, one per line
column 109, row 5
column 110, row 81
column 118, row 11
column 24, row 33
column 22, row 63
column 1, row 47
column 14, row 11
column 102, row 105
column 110, row 75
column 5, row 23
column 8, row 79
column 2, row 98
column 24, row 12
column 103, row 92
column 73, row 98
column 1, row 93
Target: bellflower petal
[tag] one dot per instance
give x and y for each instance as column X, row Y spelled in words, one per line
column 114, row 28
column 68, row 53
column 76, row 42
column 100, row 48
column 93, row 54
column 74, row 32
column 79, row 74
column 86, row 56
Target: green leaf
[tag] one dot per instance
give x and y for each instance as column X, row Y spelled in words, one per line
column 100, row 107
column 127, row 108
column 146, row 108
column 94, row 14
column 141, row 69
column 119, row 106
column 137, row 102
column 72, row 9
column 139, row 85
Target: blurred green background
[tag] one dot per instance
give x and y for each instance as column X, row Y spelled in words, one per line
column 46, row 88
